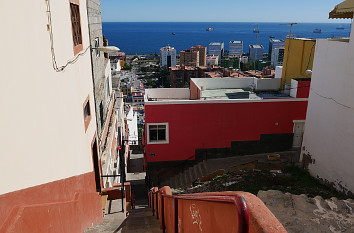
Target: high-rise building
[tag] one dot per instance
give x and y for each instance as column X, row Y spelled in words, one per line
column 274, row 44
column 236, row 48
column 202, row 54
column 216, row 48
column 168, row 56
column 256, row 52
column 277, row 56
column 189, row 57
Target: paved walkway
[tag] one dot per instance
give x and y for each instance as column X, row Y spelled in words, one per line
column 140, row 219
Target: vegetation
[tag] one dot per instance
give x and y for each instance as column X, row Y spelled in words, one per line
column 126, row 66
column 163, row 76
column 294, row 180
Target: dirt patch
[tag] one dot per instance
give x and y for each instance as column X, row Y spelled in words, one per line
column 292, row 179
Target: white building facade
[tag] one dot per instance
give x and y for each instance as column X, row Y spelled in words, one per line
column 48, row 135
column 236, row 48
column 212, row 60
column 277, row 57
column 327, row 148
column 274, row 46
column 168, row 56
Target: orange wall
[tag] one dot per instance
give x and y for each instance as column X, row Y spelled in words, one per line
column 68, row 205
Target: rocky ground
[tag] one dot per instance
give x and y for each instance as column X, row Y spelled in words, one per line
column 300, row 202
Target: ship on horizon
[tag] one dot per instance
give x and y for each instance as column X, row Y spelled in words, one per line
column 209, row 29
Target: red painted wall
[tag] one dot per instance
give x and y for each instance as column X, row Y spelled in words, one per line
column 68, row 205
column 303, row 89
column 215, row 125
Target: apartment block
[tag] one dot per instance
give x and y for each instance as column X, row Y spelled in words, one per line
column 275, row 44
column 189, row 57
column 236, row 48
column 256, row 52
column 168, row 56
column 216, row 48
column 202, row 54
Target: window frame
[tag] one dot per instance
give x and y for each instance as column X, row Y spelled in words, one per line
column 87, row 119
column 166, row 141
column 79, row 47
column 97, row 44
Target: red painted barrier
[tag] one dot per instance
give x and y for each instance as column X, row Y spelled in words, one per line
column 239, row 212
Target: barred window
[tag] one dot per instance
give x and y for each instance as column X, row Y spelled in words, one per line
column 75, row 23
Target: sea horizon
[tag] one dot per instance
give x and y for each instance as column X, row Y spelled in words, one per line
column 148, row 37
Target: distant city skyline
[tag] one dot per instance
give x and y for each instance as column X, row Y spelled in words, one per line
column 222, row 11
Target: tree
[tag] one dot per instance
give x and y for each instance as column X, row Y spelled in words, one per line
column 126, row 67
column 163, row 76
column 247, row 66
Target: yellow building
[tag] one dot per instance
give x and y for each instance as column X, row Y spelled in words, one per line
column 298, row 57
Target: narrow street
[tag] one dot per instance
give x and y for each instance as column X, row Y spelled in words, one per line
column 140, row 219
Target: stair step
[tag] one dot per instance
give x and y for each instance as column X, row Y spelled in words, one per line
column 192, row 172
column 198, row 170
column 185, row 179
column 179, row 180
column 174, row 181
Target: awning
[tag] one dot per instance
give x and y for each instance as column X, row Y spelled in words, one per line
column 343, row 10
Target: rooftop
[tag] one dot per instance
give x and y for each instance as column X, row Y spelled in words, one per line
column 236, row 42
column 276, row 40
column 216, row 43
column 240, row 89
column 167, row 48
column 256, row 46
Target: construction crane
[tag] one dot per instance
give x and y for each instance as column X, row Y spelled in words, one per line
column 291, row 26
column 256, row 31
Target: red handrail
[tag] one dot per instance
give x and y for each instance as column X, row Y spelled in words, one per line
column 157, row 201
column 212, row 212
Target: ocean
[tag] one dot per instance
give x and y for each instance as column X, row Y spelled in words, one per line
column 148, row 38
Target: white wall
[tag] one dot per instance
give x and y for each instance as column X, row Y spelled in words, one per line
column 266, row 84
column 42, row 136
column 278, row 71
column 178, row 93
column 329, row 128
column 222, row 83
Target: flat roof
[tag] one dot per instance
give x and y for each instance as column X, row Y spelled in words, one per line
column 227, row 94
column 276, row 40
column 216, row 43
column 256, row 46
column 236, row 42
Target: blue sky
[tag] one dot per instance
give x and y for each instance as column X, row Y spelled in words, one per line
column 218, row 11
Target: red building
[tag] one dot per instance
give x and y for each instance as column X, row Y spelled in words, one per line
column 222, row 115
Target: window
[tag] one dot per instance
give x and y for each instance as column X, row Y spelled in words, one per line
column 97, row 44
column 87, row 112
column 76, row 26
column 157, row 133
column 108, row 88
column 101, row 115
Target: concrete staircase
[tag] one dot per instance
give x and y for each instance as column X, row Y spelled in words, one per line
column 188, row 175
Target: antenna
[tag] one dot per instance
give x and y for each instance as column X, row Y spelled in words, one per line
column 291, row 26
